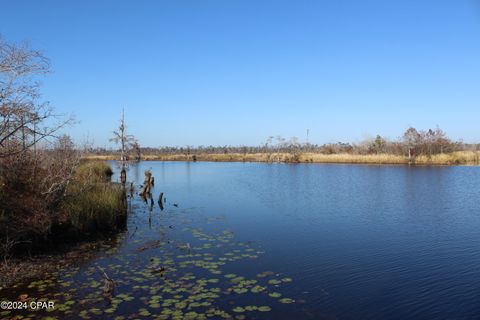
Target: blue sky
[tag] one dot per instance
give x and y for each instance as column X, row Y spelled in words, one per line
column 235, row 72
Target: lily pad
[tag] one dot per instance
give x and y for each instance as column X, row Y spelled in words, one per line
column 275, row 294
column 264, row 309
column 286, row 300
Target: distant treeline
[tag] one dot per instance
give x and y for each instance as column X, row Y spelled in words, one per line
column 412, row 143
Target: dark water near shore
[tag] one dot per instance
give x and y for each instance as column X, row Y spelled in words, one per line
column 288, row 241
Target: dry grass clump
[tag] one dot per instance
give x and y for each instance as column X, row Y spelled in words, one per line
column 453, row 158
column 101, row 157
column 353, row 158
column 94, row 171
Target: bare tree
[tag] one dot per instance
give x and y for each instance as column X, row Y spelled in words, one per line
column 126, row 141
column 441, row 143
column 59, row 164
column 411, row 140
column 294, row 148
column 24, row 120
column 37, row 173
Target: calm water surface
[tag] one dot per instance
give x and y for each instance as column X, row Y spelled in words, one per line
column 357, row 241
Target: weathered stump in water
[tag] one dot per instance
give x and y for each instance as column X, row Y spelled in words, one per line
column 151, row 202
column 160, row 201
column 145, row 190
column 148, row 176
column 123, row 176
column 147, row 184
column 109, row 284
column 132, row 189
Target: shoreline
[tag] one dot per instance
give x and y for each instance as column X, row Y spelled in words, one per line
column 445, row 159
column 21, row 268
column 91, row 211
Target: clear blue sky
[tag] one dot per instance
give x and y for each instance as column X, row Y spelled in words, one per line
column 234, row 72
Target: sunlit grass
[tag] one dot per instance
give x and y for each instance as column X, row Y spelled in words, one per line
column 353, row 158
column 92, row 202
column 94, row 171
column 453, row 158
column 459, row 157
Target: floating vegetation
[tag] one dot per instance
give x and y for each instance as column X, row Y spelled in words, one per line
column 286, row 300
column 274, row 281
column 183, row 273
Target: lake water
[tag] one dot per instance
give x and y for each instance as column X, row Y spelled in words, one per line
column 288, row 241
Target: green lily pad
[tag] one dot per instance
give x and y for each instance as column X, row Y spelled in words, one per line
column 275, row 294
column 274, row 281
column 257, row 289
column 286, row 300
column 240, row 290
column 238, row 309
column 264, row 309
column 144, row 312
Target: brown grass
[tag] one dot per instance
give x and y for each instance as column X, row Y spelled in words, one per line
column 454, row 158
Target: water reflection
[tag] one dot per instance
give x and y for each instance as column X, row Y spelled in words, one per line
column 357, row 242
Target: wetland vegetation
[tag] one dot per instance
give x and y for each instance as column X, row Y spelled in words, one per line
column 283, row 228
column 79, row 243
column 48, row 194
column 205, row 252
column 422, row 147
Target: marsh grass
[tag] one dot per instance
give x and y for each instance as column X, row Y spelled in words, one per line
column 92, row 202
column 94, row 171
column 453, row 158
column 353, row 158
column 92, row 208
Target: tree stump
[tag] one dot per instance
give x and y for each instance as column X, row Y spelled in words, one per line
column 123, row 176
column 160, row 201
column 147, row 184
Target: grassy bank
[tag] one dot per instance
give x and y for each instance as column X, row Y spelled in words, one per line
column 89, row 204
column 453, row 158
column 92, row 203
column 36, row 238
